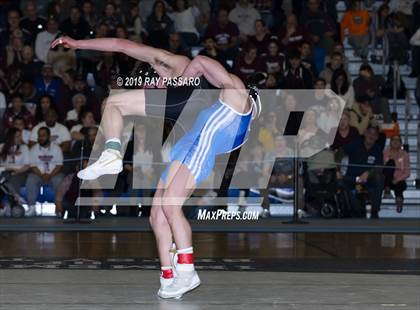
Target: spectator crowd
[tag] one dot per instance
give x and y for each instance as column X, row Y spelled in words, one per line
column 51, row 99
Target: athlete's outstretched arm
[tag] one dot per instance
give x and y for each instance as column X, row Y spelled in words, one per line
column 213, row 71
column 142, row 52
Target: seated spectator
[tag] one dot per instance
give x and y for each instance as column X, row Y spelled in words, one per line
column 292, row 36
column 47, row 83
column 58, row 133
column 336, row 63
column 75, row 26
column 344, row 134
column 14, row 156
column 13, row 18
column 29, row 96
column 244, row 15
column 272, row 81
column 361, row 113
column 17, row 108
column 176, row 46
column 30, row 66
column 13, row 51
column 134, row 23
column 397, row 171
column 296, row 76
column 320, row 84
column 225, row 33
column 78, row 101
column 110, row 17
column 210, row 50
column 93, row 97
column 331, row 116
column 320, row 26
column 45, row 104
column 159, row 25
column 247, row 63
column 307, row 59
column 44, row 39
column 19, row 123
column 309, row 127
column 268, row 131
column 86, row 121
column 286, row 104
column 274, row 61
column 262, row 37
column 365, row 167
column 31, row 21
column 184, row 17
column 356, row 22
column 372, row 85
column 88, row 13
column 45, row 169
column 342, row 87
column 338, row 47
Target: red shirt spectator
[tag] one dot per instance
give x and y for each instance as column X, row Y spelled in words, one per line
column 262, row 37
column 17, row 108
column 223, row 31
column 247, row 64
column 274, row 61
column 292, row 36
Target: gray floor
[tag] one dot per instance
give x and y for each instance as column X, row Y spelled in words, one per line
column 123, row 290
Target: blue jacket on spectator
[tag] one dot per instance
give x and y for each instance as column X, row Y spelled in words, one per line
column 52, row 89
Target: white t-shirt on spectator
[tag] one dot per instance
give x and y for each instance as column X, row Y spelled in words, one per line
column 59, row 133
column 245, row 18
column 185, row 21
column 43, row 43
column 72, row 115
column 46, row 158
column 17, row 157
column 26, row 135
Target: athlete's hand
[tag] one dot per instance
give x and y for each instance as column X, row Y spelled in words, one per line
column 67, row 42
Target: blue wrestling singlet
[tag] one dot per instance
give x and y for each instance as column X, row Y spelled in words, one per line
column 218, row 129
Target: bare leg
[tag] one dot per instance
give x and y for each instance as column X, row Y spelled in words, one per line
column 181, row 185
column 161, row 228
column 118, row 105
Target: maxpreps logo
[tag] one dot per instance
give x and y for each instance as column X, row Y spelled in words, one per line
column 207, row 215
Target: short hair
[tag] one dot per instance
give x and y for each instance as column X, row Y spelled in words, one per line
column 365, row 67
column 46, row 129
column 260, row 21
column 373, row 126
column 337, row 54
column 320, row 79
